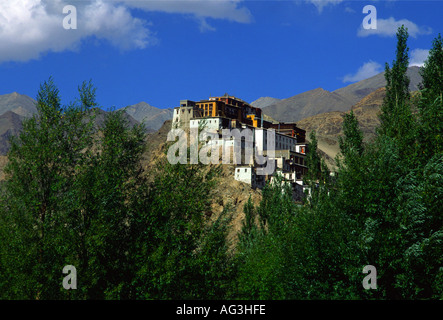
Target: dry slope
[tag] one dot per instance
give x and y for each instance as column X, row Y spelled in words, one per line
column 328, row 126
column 228, row 191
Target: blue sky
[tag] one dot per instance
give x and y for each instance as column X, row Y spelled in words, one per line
column 162, row 51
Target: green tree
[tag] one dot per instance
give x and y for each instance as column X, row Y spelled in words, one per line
column 41, row 168
column 397, row 88
column 430, row 128
column 396, row 116
column 263, row 250
column 352, row 142
column 313, row 160
column 71, row 198
column 181, row 252
column 109, row 197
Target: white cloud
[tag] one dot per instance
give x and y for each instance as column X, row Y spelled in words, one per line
column 215, row 9
column 367, row 70
column 388, row 28
column 417, row 57
column 200, row 9
column 30, row 28
column 205, row 26
column 320, row 4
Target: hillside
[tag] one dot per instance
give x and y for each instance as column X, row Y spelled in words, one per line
column 357, row 91
column 228, row 190
column 328, row 126
column 264, row 102
column 320, row 101
column 307, row 104
column 18, row 103
column 152, row 117
column 10, row 125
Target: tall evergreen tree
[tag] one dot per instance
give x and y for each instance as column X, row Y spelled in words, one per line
column 313, row 161
column 352, row 142
column 430, row 132
column 396, row 117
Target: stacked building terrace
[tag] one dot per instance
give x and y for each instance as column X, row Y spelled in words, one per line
column 229, row 112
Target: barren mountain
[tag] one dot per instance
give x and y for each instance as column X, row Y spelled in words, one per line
column 357, row 91
column 152, row 117
column 264, row 102
column 10, row 125
column 17, row 103
column 307, row 104
column 319, row 101
column 328, row 126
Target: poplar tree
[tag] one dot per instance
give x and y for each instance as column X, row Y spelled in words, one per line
column 430, row 133
column 396, row 117
column 352, row 142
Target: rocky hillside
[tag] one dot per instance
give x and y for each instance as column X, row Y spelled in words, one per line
column 18, row 103
column 264, row 102
column 152, row 117
column 320, row 101
column 10, row 125
column 228, row 191
column 328, row 126
column 357, row 91
column 307, row 104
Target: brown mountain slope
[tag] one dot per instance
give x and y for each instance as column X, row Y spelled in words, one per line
column 328, row 126
column 264, row 102
column 228, row 191
column 357, row 91
column 319, row 101
column 152, row 117
column 306, row 104
column 17, row 103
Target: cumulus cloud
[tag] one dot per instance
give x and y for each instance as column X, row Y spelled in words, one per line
column 367, row 70
column 388, row 28
column 417, row 57
column 30, row 28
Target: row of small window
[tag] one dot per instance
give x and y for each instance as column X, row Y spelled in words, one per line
column 210, row 121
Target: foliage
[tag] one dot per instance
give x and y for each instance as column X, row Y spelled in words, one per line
column 79, row 196
column 76, row 195
column 381, row 208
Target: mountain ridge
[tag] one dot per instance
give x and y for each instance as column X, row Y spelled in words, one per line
column 151, row 116
column 317, row 101
column 20, row 104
